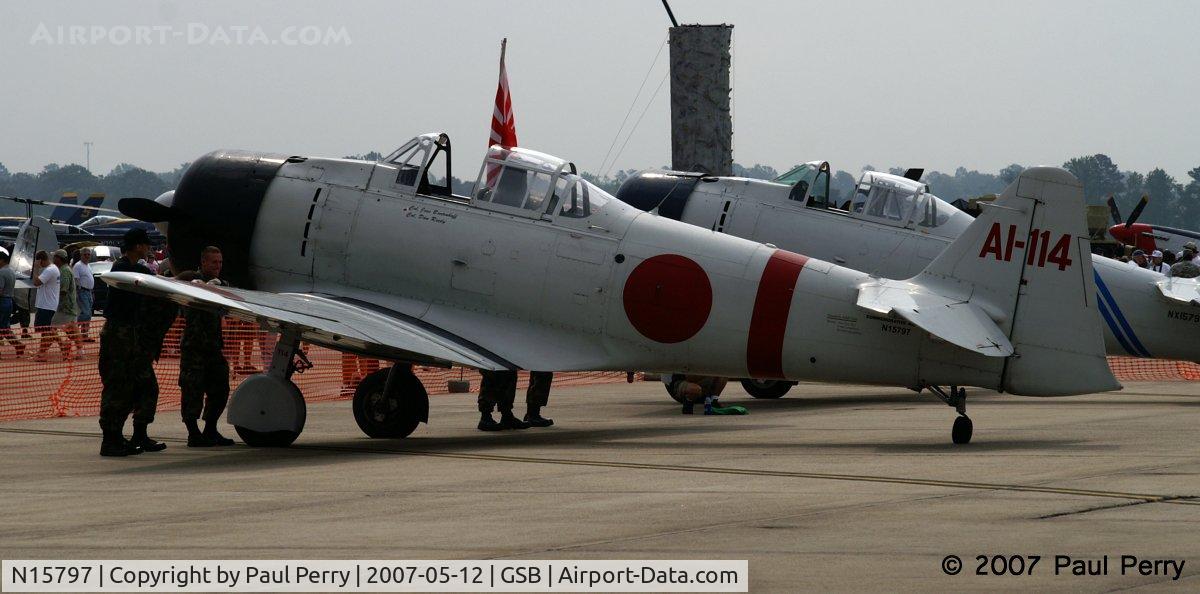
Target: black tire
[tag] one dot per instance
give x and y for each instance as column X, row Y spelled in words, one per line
column 267, row 439
column 390, row 416
column 766, row 388
column 961, row 432
column 671, row 388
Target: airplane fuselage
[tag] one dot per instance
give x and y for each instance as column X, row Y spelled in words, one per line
column 621, row 289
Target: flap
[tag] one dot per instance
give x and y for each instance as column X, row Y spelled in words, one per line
column 335, row 323
column 958, row 322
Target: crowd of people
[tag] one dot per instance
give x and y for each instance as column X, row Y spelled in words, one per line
column 1185, row 264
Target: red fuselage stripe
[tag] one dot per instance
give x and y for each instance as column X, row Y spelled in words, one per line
column 768, row 323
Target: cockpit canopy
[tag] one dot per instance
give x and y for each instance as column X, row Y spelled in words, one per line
column 810, row 183
column 879, row 197
column 423, row 164
column 528, row 183
column 513, row 180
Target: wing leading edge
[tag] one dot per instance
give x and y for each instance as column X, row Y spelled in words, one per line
column 338, row 324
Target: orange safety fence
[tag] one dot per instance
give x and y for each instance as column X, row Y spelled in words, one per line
column 53, row 384
column 57, row 383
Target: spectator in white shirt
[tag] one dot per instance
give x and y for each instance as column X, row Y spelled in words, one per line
column 48, row 279
column 1139, row 259
column 84, row 283
column 1156, row 263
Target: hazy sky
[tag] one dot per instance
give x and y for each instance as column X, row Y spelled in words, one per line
column 933, row 84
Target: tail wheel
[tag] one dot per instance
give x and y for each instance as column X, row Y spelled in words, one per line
column 394, row 415
column 766, row 388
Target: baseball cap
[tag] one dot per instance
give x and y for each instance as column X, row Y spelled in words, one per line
column 1139, row 253
column 135, row 237
column 1191, row 245
column 1156, row 254
column 60, row 254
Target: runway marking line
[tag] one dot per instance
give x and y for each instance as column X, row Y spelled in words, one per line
column 1143, row 497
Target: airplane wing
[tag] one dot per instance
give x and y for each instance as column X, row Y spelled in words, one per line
column 953, row 320
column 1183, row 291
column 335, row 323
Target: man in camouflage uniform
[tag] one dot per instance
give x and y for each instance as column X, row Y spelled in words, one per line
column 155, row 321
column 124, row 369
column 202, row 366
column 537, row 396
column 498, row 390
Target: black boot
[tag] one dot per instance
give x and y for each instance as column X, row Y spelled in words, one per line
column 115, row 445
column 214, row 436
column 141, row 440
column 487, row 423
column 196, row 439
column 533, row 416
column 510, row 422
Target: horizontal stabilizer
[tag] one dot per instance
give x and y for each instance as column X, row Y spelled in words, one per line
column 1184, row 291
column 958, row 322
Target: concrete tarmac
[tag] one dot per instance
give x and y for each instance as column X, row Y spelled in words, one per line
column 832, row 487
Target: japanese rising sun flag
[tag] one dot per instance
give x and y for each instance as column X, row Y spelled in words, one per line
column 504, row 127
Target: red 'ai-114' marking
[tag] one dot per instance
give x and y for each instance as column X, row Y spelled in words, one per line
column 1039, row 253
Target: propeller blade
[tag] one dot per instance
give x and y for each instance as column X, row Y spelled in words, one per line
column 914, row 173
column 145, row 209
column 1137, row 210
column 1113, row 210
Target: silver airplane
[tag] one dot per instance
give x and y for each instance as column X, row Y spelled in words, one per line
column 539, row 269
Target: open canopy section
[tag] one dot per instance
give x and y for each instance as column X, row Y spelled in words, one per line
column 422, row 165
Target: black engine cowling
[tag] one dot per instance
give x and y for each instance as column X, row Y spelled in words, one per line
column 668, row 191
column 217, row 203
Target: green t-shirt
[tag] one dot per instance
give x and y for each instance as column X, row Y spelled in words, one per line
column 68, row 303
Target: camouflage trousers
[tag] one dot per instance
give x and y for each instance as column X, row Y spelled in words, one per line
column 200, row 375
column 538, row 394
column 497, row 390
column 127, row 373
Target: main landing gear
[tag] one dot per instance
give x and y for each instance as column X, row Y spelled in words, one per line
column 267, row 409
column 391, row 403
column 766, row 388
column 957, row 397
column 769, row 389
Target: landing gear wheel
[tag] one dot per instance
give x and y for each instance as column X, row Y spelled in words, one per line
column 266, row 439
column 766, row 388
column 961, row 433
column 671, row 385
column 395, row 414
column 267, row 411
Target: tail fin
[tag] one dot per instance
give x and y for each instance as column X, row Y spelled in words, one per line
column 34, row 235
column 66, row 208
column 93, row 202
column 1026, row 262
